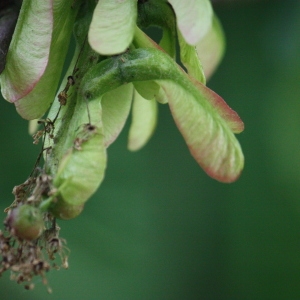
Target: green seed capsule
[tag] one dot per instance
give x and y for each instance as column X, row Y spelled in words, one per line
column 80, row 173
column 25, row 222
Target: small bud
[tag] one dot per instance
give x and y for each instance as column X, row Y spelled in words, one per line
column 25, row 222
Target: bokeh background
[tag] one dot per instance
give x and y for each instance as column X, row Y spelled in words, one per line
column 159, row 227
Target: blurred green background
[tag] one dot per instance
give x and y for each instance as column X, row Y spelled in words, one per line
column 159, row 227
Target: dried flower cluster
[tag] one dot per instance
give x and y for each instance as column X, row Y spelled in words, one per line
column 27, row 253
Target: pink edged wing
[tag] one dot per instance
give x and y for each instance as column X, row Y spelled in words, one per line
column 206, row 123
column 37, row 55
column 29, row 50
column 228, row 114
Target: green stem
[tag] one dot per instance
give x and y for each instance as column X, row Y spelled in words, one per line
column 159, row 13
column 83, row 59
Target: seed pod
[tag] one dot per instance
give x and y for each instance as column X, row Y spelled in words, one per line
column 25, row 222
column 79, row 173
